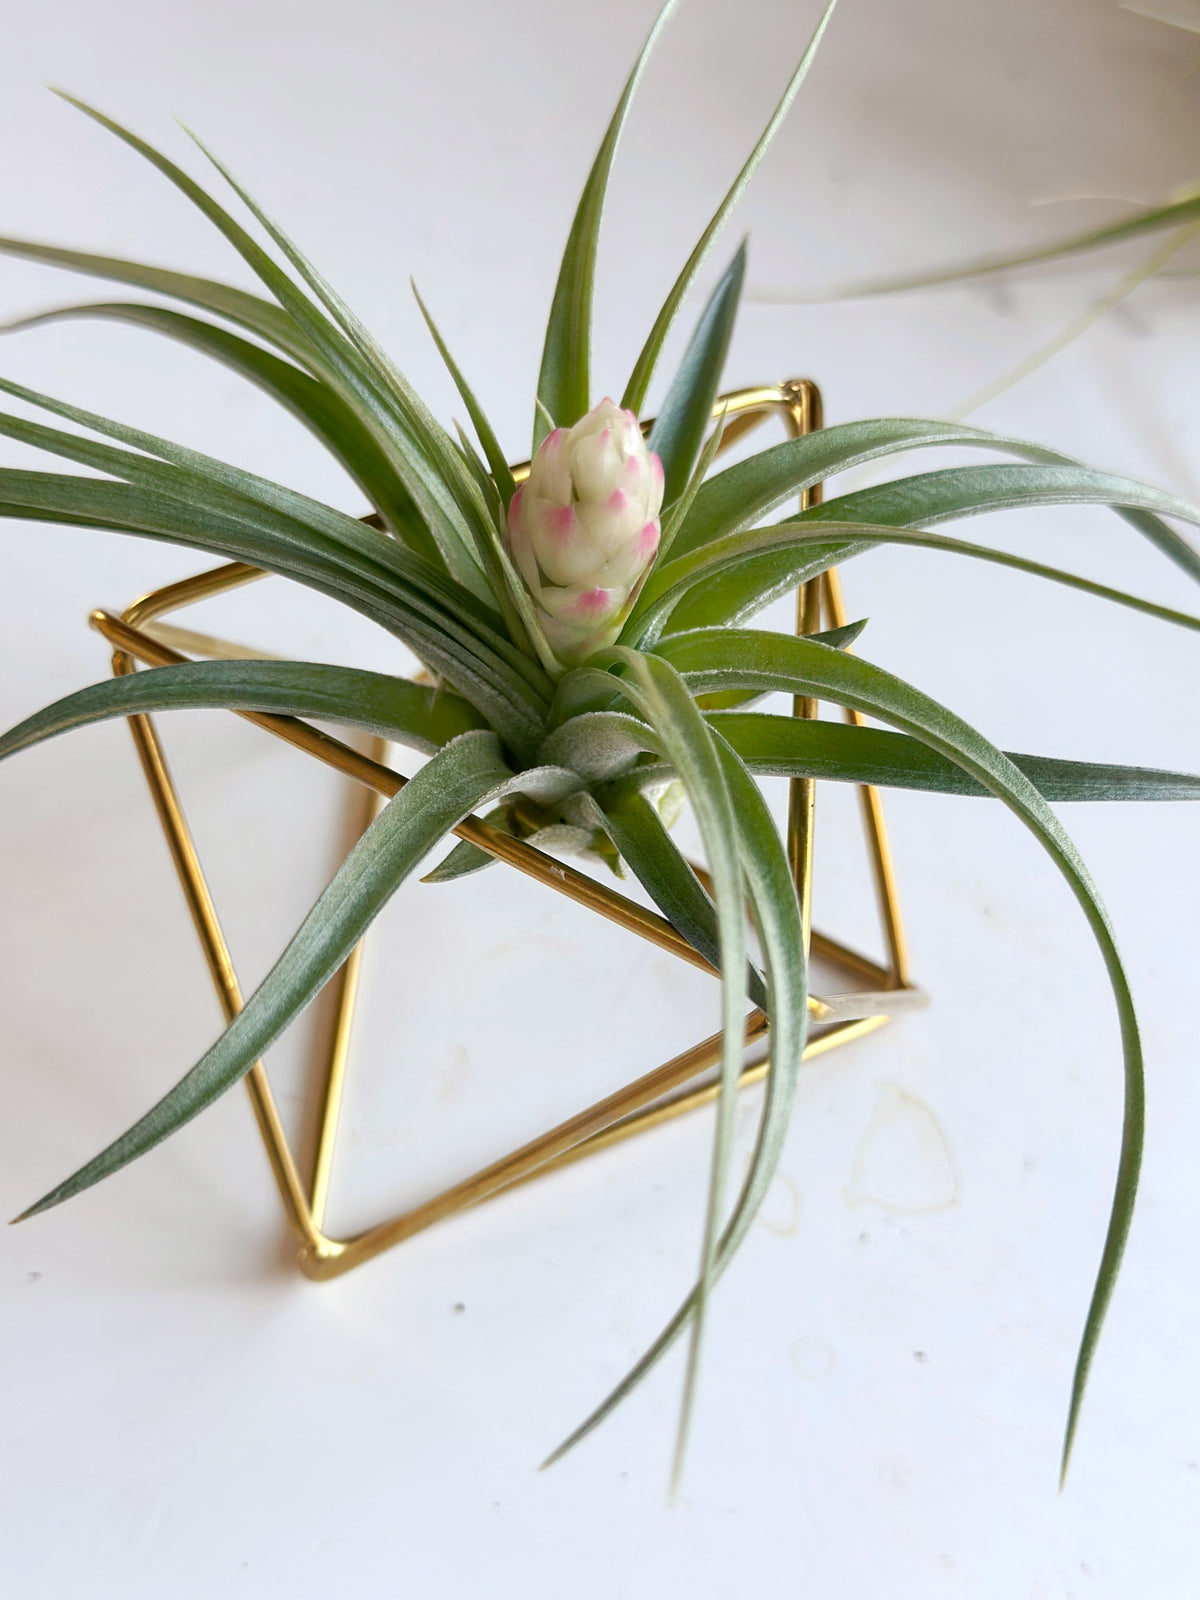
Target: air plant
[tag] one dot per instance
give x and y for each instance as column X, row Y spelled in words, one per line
column 578, row 629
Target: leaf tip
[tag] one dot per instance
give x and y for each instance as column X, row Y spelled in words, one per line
column 38, row 1206
column 74, row 100
column 1064, row 1465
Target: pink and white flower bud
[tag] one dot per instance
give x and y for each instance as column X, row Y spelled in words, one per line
column 583, row 528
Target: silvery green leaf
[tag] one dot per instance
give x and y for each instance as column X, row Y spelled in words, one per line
column 739, row 496
column 310, row 399
column 791, row 747
column 687, row 409
column 412, row 714
column 776, row 915
column 740, row 658
column 563, row 393
column 660, row 698
column 599, row 745
column 639, row 382
column 465, row 774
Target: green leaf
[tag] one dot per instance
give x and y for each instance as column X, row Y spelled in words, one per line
column 524, row 623
column 738, row 658
column 564, row 381
column 777, row 917
column 310, row 399
column 659, row 696
column 248, row 311
column 496, row 459
column 735, row 577
column 599, row 745
column 633, row 824
column 445, row 646
column 676, row 514
column 463, row 775
column 332, row 356
column 467, row 858
column 730, row 580
column 587, row 689
column 639, row 382
column 445, row 492
column 741, row 494
column 466, row 773
column 687, row 410
column 284, row 512
column 412, row 714
column 926, row 499
column 789, row 747
column 932, row 497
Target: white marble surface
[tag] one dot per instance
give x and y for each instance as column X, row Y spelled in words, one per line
column 888, row 1363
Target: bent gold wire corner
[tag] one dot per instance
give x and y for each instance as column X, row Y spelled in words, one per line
column 139, row 636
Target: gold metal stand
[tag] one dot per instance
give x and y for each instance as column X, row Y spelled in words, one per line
column 138, row 636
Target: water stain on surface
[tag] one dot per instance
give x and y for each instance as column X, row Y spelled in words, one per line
column 903, row 1161
column 812, row 1358
column 780, row 1210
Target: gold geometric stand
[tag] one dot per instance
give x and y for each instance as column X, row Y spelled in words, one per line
column 138, row 635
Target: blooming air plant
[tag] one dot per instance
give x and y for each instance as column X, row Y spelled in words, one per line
column 590, row 634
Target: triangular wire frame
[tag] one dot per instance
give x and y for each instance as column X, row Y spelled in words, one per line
column 664, row 1093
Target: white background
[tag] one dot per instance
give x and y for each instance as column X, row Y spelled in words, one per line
column 888, row 1365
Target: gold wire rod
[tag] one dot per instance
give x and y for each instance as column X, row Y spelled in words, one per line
column 883, row 871
column 345, row 987
column 205, row 645
column 190, row 591
column 833, row 950
column 802, row 415
column 212, row 940
column 691, row 1100
column 340, row 1256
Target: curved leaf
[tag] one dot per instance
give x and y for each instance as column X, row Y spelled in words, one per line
column 789, row 747
column 322, row 410
column 740, row 495
column 733, row 578
column 327, row 351
column 205, row 479
column 215, row 485
column 634, row 825
column 412, row 714
column 932, row 497
column 496, row 459
column 466, row 858
column 1152, row 220
column 740, row 658
column 440, row 484
column 466, row 773
column 659, row 695
column 777, row 918
column 248, row 311
column 445, row 646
